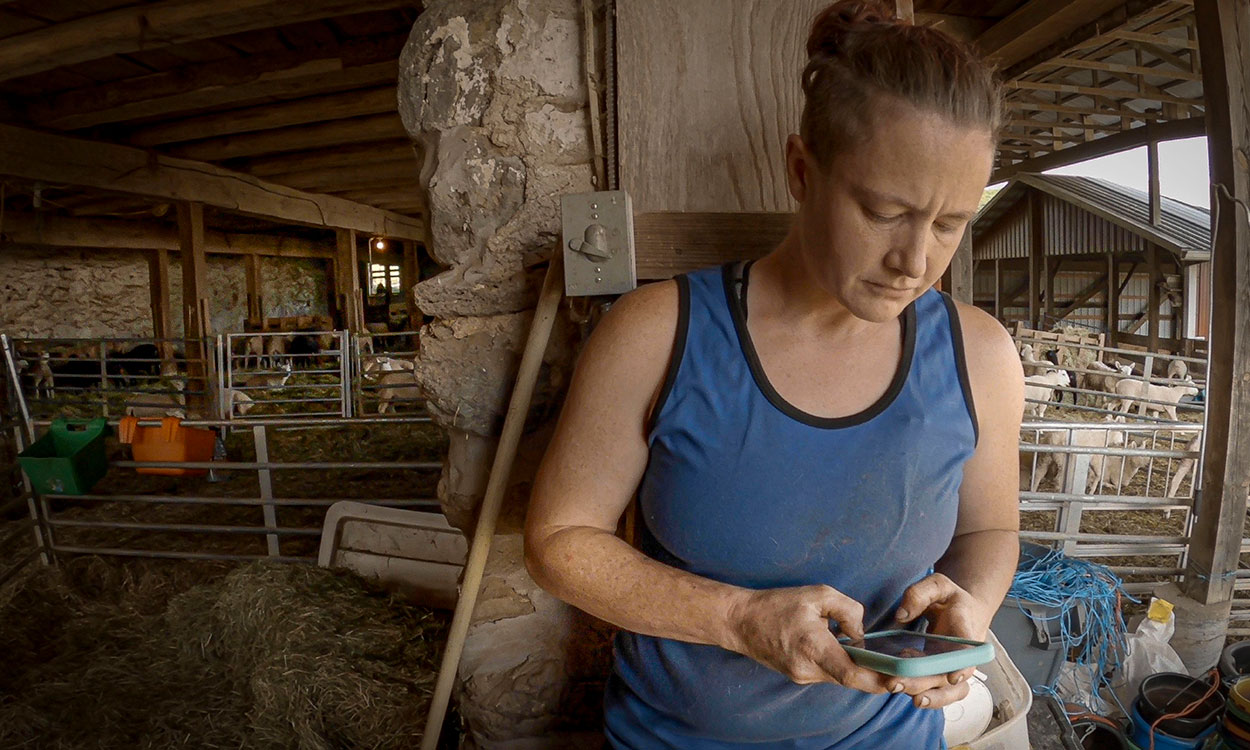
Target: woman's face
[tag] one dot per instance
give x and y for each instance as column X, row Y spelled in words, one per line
column 881, row 223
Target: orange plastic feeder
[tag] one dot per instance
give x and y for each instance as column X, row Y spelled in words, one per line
column 170, row 442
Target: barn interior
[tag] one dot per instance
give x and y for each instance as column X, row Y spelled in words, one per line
column 321, row 230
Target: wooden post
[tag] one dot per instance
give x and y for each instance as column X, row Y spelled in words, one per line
column 1113, row 300
column 1052, row 268
column 1152, row 168
column 1152, row 298
column 410, row 274
column 1037, row 259
column 195, row 325
column 903, row 9
column 961, row 269
column 1221, row 505
column 255, row 303
column 347, row 281
column 158, row 282
column 998, row 289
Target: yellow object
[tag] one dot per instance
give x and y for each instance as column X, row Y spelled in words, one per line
column 1160, row 610
column 1240, row 694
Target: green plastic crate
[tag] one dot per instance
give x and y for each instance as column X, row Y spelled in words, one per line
column 69, row 459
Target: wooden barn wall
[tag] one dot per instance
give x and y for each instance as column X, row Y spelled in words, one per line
column 52, row 292
column 706, row 99
column 1007, row 238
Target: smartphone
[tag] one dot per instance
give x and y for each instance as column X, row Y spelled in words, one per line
column 905, row 653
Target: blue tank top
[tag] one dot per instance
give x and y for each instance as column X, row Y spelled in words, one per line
column 743, row 487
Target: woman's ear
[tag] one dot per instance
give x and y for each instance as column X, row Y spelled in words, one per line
column 799, row 163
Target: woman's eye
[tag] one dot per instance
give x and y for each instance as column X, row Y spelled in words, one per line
column 883, row 218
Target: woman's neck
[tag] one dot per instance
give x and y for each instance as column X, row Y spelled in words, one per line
column 783, row 287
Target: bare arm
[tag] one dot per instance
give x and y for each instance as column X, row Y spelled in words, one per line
column 976, row 571
column 592, row 469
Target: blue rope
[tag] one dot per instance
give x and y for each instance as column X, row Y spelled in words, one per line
column 1067, row 585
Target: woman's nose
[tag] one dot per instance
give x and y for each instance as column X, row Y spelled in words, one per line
column 908, row 256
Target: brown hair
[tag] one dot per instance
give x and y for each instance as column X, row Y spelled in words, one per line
column 858, row 50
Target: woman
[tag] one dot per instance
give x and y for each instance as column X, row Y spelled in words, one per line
column 817, row 440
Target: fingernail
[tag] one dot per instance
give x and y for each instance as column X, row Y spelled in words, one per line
column 958, row 679
column 901, row 614
column 924, row 701
column 896, row 688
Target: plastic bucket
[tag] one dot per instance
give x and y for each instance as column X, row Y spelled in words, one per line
column 1140, row 734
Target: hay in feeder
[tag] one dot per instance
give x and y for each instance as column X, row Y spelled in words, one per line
column 265, row 656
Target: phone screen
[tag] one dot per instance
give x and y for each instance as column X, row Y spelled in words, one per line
column 908, row 645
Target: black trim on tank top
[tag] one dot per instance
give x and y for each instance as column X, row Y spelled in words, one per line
column 961, row 363
column 737, row 305
column 679, row 347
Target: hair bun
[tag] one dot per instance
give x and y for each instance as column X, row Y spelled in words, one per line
column 839, row 21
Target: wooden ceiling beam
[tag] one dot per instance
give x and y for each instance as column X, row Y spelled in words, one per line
column 363, row 153
column 161, row 24
column 285, row 74
column 1036, row 24
column 1169, row 72
column 269, row 117
column 25, row 228
column 1120, row 15
column 1103, row 93
column 966, row 28
column 1111, row 144
column 322, row 135
column 356, row 177
column 56, row 159
column 1158, row 40
column 1032, row 106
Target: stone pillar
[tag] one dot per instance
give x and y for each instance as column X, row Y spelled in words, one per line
column 493, row 94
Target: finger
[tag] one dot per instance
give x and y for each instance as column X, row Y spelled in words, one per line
column 962, row 675
column 942, row 696
column 923, row 594
column 848, row 613
column 835, row 662
column 916, row 685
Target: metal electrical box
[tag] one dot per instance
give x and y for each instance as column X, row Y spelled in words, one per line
column 598, row 241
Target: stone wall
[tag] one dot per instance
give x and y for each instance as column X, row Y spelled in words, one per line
column 493, row 93
column 52, row 293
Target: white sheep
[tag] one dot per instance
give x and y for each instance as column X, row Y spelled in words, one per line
column 375, row 365
column 1030, row 363
column 270, row 380
column 42, row 372
column 1117, row 471
column 1142, row 393
column 1186, row 466
column 241, row 402
column 1106, row 376
column 1040, row 389
column 275, row 347
column 398, row 385
column 1178, row 370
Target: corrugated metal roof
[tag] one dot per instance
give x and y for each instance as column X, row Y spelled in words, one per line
column 1183, row 229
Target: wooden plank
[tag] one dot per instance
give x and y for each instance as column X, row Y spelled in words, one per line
column 1152, row 296
column 1037, row 258
column 998, row 289
column 254, row 282
column 196, row 312
column 1035, row 25
column 1052, row 268
column 161, row 24
column 355, row 177
column 60, row 160
column 1113, row 299
column 269, row 117
column 347, row 280
column 1100, row 92
column 669, row 243
column 22, row 228
column 158, row 286
column 345, row 156
column 744, row 66
column 1152, row 172
column 280, row 75
column 1083, row 296
column 410, row 274
column 1162, row 72
column 327, row 134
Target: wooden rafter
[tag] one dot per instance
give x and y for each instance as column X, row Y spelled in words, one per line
column 31, row 155
column 302, row 138
column 270, row 117
column 1110, row 144
column 1033, row 26
column 25, row 228
column 161, row 24
column 357, row 64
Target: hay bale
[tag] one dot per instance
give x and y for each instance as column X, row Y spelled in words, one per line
column 267, row 656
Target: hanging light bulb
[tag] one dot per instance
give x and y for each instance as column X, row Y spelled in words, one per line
column 379, row 243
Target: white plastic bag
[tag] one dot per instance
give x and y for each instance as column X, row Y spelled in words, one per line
column 1148, row 653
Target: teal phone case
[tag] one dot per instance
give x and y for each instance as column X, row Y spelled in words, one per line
column 920, row 666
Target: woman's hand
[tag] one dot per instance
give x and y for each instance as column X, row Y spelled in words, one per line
column 950, row 611
column 788, row 630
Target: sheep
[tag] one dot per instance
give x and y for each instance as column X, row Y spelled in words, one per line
column 275, row 347
column 1087, row 438
column 1178, row 370
column 1142, row 392
column 398, row 385
column 1186, row 466
column 269, row 380
column 1041, row 388
column 1117, row 471
column 375, row 365
column 253, row 351
column 241, row 402
column 1032, row 365
column 1106, row 377
column 43, row 382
